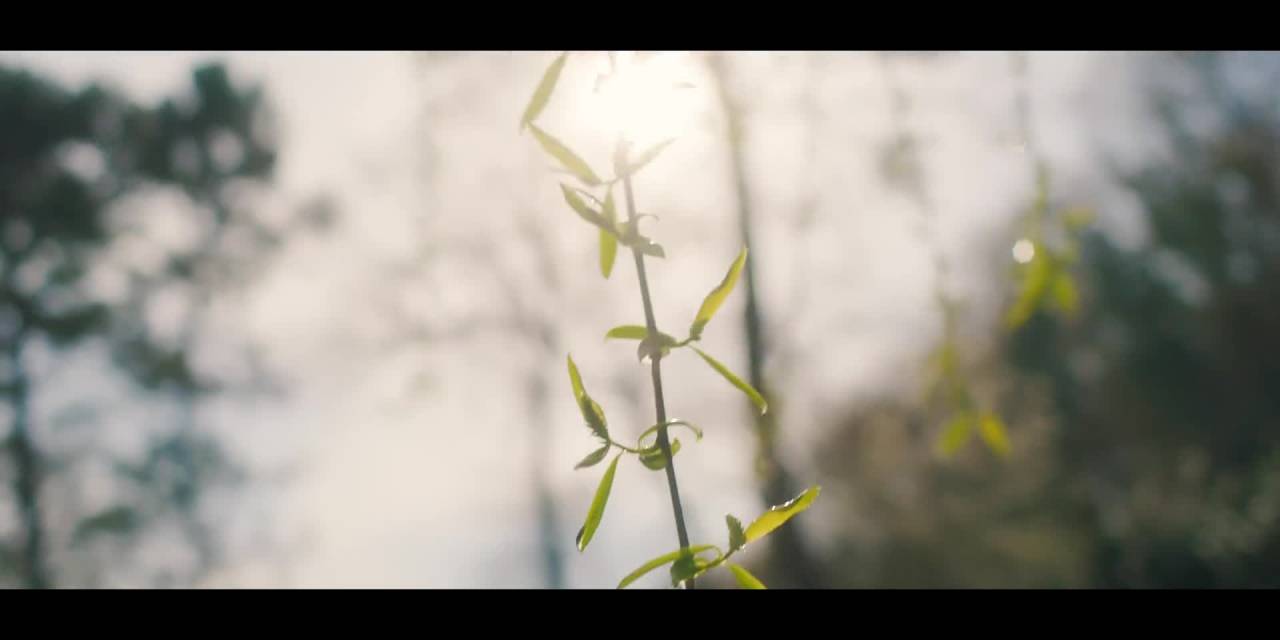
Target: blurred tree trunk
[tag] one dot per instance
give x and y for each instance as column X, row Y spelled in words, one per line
column 26, row 470
column 792, row 558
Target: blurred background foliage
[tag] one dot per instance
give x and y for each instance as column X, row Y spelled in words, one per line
column 1142, row 406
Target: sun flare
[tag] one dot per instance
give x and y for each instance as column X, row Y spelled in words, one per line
column 645, row 100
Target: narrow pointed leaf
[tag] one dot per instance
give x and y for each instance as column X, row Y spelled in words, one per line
column 593, row 413
column 542, row 94
column 576, row 380
column 565, row 155
column 744, row 577
column 737, row 536
column 663, row 559
column 735, row 381
column 777, row 516
column 593, row 458
column 584, row 210
column 655, row 460
column 627, row 332
column 955, row 435
column 717, row 296
column 596, row 512
column 608, row 252
column 608, row 239
column 995, row 434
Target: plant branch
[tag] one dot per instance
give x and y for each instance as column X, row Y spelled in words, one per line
column 656, row 370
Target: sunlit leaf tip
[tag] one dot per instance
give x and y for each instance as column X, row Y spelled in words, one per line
column 712, row 302
column 779, row 515
column 735, row 381
column 744, row 577
column 575, row 379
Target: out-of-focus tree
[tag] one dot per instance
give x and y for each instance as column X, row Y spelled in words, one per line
column 92, row 186
column 791, row 560
column 1149, row 453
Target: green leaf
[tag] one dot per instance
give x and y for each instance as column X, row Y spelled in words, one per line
column 576, row 380
column 596, row 512
column 744, row 577
column 655, row 460
column 608, row 251
column 777, row 516
column 955, row 434
column 688, row 565
column 658, row 562
column 542, row 94
column 608, row 239
column 584, row 210
column 995, row 434
column 735, row 381
column 571, row 161
column 627, row 332
column 592, row 412
column 737, row 537
column 630, row 168
column 593, row 458
column 609, row 210
column 1064, row 293
column 717, row 296
column 670, row 423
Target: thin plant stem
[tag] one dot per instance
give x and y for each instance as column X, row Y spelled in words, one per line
column 656, row 371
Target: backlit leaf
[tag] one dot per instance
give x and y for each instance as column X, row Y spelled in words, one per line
column 627, row 332
column 735, row 381
column 584, row 210
column 663, row 559
column 542, row 94
column 717, row 296
column 596, row 512
column 570, row 160
column 744, row 578
column 593, row 458
column 777, row 516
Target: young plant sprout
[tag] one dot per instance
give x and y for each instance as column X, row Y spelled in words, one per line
column 592, row 199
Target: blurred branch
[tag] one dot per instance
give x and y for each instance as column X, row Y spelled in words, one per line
column 792, row 555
